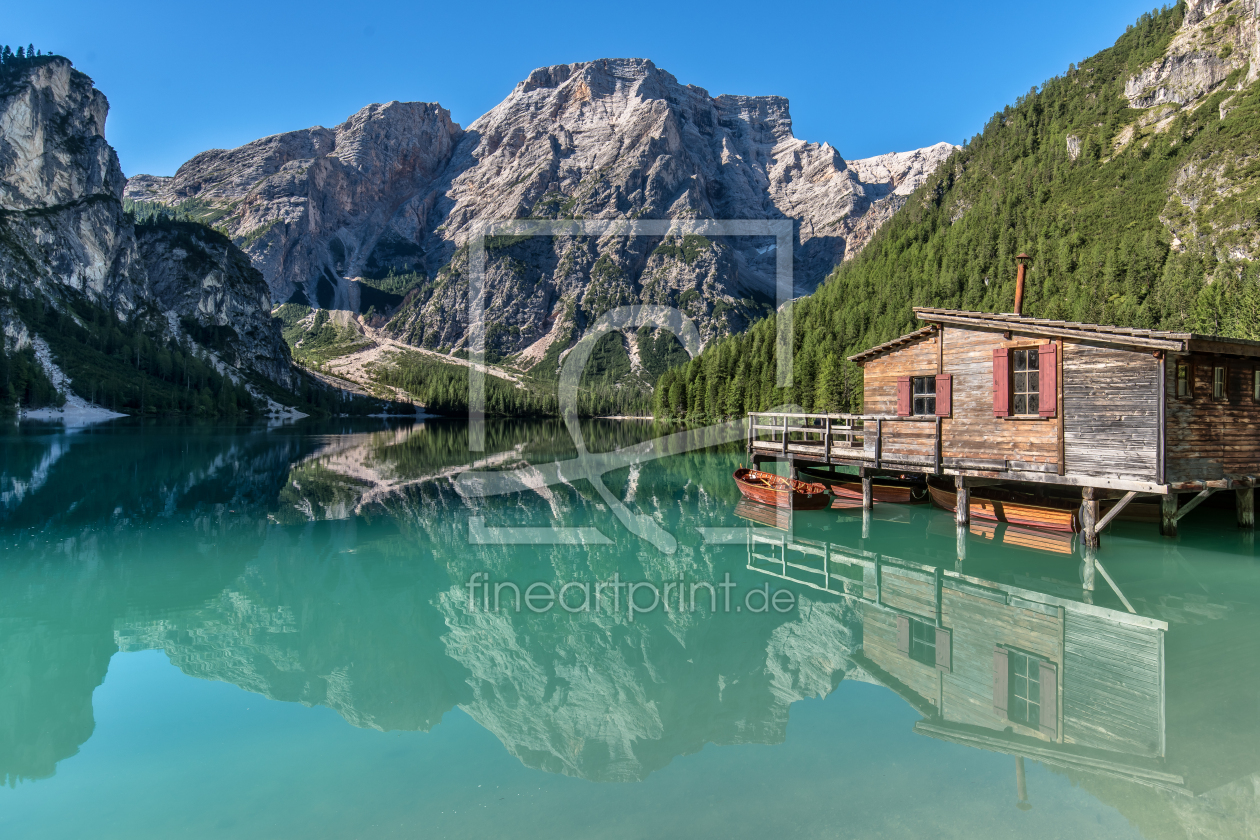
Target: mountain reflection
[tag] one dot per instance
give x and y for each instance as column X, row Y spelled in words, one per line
column 328, row 566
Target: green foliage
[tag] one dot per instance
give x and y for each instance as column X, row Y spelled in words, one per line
column 659, row 350
column 130, row 367
column 192, row 210
column 1092, row 225
column 23, row 383
column 608, row 362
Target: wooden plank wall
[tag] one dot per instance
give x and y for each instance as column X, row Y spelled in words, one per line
column 972, row 431
column 879, row 375
column 1209, row 438
column 1111, row 685
column 1111, row 412
column 879, row 644
column 978, row 624
column 910, row 591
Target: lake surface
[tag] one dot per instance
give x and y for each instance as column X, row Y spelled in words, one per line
column 220, row 631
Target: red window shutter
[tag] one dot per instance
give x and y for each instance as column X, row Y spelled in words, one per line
column 1049, row 699
column 903, row 634
column 1001, row 382
column 1048, row 370
column 942, row 649
column 903, row 396
column 1001, row 672
column 944, row 394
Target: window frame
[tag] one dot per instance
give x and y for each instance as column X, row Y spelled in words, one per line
column 925, row 646
column 1031, row 357
column 1188, row 370
column 929, row 381
column 1255, row 385
column 1220, row 382
column 1031, row 684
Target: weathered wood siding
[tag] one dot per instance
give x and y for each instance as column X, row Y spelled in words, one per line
column 1111, row 412
column 981, row 620
column 909, row 590
column 1112, row 678
column 879, row 375
column 879, row 644
column 972, row 431
column 1208, row 438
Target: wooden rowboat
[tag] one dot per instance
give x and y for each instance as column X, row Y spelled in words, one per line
column 771, row 489
column 1016, row 508
column 883, row 489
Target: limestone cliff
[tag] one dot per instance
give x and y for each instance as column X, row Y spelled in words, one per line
column 399, row 187
column 64, row 235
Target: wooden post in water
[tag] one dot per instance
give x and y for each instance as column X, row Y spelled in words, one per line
column 867, row 492
column 962, row 506
column 1021, row 784
column 1246, row 507
column 1089, row 517
column 1168, row 515
column 962, row 548
column 1089, row 567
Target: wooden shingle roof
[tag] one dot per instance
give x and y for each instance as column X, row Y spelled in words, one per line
column 1181, row 342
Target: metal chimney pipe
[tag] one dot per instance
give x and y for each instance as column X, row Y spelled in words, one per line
column 1022, row 259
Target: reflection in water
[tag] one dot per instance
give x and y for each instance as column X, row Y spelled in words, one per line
column 329, row 569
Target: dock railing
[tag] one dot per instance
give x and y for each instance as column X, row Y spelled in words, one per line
column 874, row 439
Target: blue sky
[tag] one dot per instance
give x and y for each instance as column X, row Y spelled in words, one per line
column 866, row 77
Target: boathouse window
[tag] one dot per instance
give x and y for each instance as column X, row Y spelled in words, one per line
column 1024, row 704
column 1218, row 383
column 1255, row 384
column 925, row 643
column 1027, row 381
column 922, row 642
column 924, row 388
column 1183, row 381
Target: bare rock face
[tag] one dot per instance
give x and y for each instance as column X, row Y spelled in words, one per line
column 59, row 188
column 1216, row 38
column 310, row 206
column 400, row 188
column 201, row 277
column 63, row 230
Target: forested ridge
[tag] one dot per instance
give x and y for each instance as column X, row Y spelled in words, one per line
column 1072, row 175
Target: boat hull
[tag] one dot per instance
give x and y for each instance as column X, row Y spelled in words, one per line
column 886, row 490
column 771, row 489
column 1016, row 513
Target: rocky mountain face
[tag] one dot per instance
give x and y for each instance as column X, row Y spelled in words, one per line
column 64, row 235
column 399, row 188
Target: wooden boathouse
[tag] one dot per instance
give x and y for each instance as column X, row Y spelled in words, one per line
column 996, row 398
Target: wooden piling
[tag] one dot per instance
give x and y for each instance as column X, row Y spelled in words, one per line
column 1168, row 515
column 867, row 492
column 962, row 509
column 1246, row 500
column 1089, row 517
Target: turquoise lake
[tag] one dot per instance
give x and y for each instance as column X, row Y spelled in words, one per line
column 213, row 631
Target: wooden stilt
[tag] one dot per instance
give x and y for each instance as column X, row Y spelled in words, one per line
column 1088, row 569
column 866, row 524
column 867, row 492
column 962, row 511
column 1246, row 498
column 962, row 548
column 1168, row 515
column 1021, row 785
column 1089, row 517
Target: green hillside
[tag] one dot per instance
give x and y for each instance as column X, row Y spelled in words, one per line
column 1092, row 188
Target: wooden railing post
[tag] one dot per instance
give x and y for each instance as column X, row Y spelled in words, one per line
column 785, row 433
column 879, row 440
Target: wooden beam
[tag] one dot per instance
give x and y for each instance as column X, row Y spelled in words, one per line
column 1119, row 506
column 1195, row 502
column 1168, row 515
column 1114, row 588
column 962, row 502
column 1118, row 339
column 1246, row 505
column 1089, row 517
